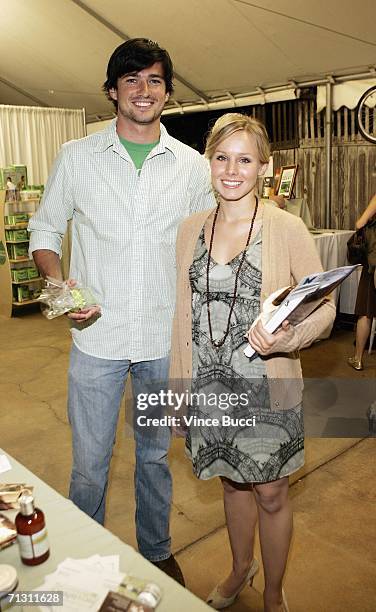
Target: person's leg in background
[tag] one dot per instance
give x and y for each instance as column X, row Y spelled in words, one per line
column 363, row 328
column 365, row 308
column 96, row 387
column 153, row 482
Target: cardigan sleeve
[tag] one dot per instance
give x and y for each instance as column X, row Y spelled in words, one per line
column 304, row 260
column 175, row 355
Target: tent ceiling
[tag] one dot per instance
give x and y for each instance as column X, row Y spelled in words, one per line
column 56, row 52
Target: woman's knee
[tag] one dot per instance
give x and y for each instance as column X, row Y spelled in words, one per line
column 272, row 496
column 229, row 486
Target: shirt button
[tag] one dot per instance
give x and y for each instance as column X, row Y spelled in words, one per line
column 276, row 404
column 187, row 343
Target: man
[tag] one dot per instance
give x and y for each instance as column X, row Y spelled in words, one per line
column 125, row 189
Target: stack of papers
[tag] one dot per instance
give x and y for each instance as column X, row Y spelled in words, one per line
column 296, row 303
column 4, row 464
column 8, row 531
column 84, row 582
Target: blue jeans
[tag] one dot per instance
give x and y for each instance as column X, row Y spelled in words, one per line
column 96, row 388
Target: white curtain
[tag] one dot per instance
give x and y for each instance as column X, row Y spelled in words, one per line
column 32, row 136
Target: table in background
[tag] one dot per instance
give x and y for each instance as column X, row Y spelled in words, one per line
column 72, row 533
column 332, row 248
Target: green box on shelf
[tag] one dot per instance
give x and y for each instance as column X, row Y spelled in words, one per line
column 20, row 274
column 30, row 194
column 20, row 234
column 21, row 293
column 15, row 235
column 32, row 273
column 15, row 219
column 19, row 251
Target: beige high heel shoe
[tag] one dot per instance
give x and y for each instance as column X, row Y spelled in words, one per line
column 355, row 363
column 218, row 602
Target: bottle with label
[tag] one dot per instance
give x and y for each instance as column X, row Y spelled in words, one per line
column 31, row 532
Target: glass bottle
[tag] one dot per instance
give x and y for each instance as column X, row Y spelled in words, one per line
column 31, row 532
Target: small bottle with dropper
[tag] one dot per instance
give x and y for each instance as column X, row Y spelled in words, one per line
column 31, row 532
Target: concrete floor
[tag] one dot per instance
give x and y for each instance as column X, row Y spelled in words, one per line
column 332, row 563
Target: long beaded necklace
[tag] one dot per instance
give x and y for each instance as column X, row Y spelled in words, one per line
column 218, row 343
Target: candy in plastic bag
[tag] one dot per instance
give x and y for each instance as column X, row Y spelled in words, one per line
column 60, row 298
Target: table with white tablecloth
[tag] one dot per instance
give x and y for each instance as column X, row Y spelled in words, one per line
column 72, row 533
column 332, row 248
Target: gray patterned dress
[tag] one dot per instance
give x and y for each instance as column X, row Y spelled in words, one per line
column 253, row 443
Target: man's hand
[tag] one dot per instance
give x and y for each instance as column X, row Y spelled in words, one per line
column 284, row 341
column 85, row 313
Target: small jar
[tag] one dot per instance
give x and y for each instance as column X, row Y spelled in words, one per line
column 150, row 595
column 31, row 532
column 8, row 582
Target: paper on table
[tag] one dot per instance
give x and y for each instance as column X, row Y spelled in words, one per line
column 4, row 464
column 8, row 531
column 84, row 582
column 301, row 301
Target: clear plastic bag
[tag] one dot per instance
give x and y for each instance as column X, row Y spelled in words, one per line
column 59, row 298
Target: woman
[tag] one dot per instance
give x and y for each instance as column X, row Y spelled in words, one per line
column 365, row 306
column 228, row 261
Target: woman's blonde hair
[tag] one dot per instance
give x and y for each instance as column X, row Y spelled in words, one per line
column 230, row 123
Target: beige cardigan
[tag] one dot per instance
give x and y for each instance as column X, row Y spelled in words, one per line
column 288, row 254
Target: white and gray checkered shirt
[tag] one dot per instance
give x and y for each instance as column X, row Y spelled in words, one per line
column 124, row 225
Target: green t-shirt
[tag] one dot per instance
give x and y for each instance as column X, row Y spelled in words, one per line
column 138, row 152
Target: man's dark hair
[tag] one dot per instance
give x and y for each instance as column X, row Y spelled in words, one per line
column 135, row 55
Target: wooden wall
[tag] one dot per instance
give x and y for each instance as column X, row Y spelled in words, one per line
column 353, row 166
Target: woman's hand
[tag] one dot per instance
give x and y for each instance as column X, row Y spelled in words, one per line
column 284, row 341
column 279, row 200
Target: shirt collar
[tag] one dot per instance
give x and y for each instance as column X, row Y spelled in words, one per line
column 108, row 137
column 166, row 142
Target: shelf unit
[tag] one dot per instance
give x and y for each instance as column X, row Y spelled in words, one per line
column 25, row 302
column 29, row 281
column 11, row 287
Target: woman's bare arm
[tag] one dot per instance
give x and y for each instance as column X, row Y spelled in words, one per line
column 369, row 212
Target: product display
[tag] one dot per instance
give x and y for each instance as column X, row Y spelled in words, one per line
column 16, row 175
column 20, row 282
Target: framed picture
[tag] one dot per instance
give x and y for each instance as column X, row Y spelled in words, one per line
column 286, row 181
